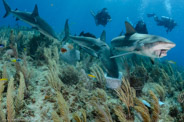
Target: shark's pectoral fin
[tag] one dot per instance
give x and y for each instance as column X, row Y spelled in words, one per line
column 103, row 36
column 35, row 11
column 152, row 60
column 90, row 51
column 122, row 54
column 129, row 28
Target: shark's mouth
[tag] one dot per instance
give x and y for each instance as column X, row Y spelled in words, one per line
column 163, row 52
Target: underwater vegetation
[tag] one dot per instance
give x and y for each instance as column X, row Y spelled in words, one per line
column 37, row 85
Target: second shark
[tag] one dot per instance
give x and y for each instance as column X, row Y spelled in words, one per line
column 32, row 19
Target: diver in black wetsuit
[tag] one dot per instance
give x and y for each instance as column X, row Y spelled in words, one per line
column 141, row 27
column 167, row 22
column 102, row 17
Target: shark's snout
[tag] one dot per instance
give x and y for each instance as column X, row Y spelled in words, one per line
column 172, row 45
column 162, row 49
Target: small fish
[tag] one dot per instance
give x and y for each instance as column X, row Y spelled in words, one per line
column 63, row 50
column 70, row 46
column 148, row 105
column 25, row 49
column 92, row 76
column 4, row 79
column 2, row 46
column 15, row 60
column 172, row 62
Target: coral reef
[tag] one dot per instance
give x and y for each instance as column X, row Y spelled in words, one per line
column 37, row 85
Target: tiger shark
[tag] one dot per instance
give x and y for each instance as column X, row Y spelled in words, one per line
column 32, row 19
column 143, row 44
column 97, row 48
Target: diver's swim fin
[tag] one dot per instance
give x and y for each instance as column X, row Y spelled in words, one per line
column 92, row 13
column 122, row 54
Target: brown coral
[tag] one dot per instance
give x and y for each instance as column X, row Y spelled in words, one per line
column 155, row 107
column 126, row 95
column 103, row 115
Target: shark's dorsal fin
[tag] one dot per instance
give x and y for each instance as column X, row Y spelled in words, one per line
column 35, row 11
column 129, row 28
column 103, row 36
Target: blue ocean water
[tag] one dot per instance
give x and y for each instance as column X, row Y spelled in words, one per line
column 55, row 12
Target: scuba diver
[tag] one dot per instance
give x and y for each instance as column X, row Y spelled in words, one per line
column 167, row 22
column 141, row 27
column 150, row 15
column 102, row 17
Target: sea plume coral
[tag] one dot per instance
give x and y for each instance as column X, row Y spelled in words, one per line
column 56, row 117
column 145, row 116
column 10, row 102
column 120, row 113
column 77, row 118
column 2, row 115
column 53, row 76
column 21, row 90
column 99, row 74
column 103, row 115
column 155, row 107
column 63, row 109
column 126, row 95
column 142, row 109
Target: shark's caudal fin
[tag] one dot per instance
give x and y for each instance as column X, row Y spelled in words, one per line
column 103, row 36
column 7, row 8
column 129, row 29
column 67, row 33
column 122, row 54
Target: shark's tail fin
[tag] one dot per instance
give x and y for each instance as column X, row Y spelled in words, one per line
column 67, row 33
column 7, row 8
